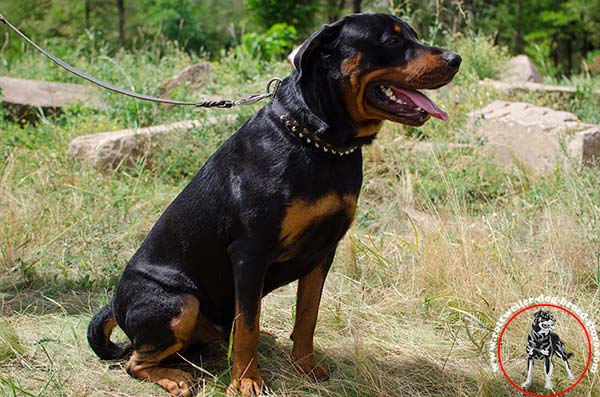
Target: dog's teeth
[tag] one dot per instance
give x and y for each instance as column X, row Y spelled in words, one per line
column 419, row 109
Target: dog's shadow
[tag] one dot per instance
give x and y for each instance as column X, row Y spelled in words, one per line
column 369, row 375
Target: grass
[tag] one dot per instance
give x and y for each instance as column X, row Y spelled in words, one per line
column 443, row 243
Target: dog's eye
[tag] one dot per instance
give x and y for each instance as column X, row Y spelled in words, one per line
column 392, row 41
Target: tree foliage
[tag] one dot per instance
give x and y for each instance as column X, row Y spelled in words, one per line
column 558, row 34
column 298, row 13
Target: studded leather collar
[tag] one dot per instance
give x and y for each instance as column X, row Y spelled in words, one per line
column 309, row 137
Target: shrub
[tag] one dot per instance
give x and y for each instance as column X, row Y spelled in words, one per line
column 481, row 58
column 275, row 43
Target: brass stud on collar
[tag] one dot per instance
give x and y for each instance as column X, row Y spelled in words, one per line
column 311, row 137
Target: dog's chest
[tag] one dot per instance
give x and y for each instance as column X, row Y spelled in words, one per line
column 539, row 342
column 314, row 224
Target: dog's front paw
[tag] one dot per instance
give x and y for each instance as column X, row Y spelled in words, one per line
column 309, row 367
column 526, row 384
column 247, row 387
column 548, row 385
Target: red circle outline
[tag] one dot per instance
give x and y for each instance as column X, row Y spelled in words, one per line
column 587, row 365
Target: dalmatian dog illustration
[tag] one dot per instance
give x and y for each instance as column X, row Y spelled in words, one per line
column 542, row 344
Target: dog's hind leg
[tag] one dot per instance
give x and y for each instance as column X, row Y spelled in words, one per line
column 561, row 352
column 549, row 367
column 527, row 382
column 568, row 368
column 149, row 351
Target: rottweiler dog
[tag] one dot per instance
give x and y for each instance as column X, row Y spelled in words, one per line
column 270, row 206
column 542, row 344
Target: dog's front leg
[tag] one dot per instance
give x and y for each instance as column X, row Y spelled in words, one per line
column 310, row 288
column 549, row 369
column 249, row 267
column 527, row 382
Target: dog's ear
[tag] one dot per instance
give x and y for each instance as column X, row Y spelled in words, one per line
column 537, row 314
column 309, row 50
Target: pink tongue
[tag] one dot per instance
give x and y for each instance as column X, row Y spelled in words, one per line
column 423, row 102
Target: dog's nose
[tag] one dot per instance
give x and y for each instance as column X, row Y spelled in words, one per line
column 452, row 59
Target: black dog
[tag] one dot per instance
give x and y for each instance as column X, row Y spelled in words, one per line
column 543, row 345
column 270, row 206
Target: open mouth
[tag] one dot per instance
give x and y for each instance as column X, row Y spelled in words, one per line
column 546, row 325
column 403, row 105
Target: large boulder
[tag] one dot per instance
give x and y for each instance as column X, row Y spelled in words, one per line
column 21, row 98
column 536, row 138
column 520, row 69
column 109, row 149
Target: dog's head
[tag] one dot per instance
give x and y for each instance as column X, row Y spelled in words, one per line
column 543, row 322
column 377, row 64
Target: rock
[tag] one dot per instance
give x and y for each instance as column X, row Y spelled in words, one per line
column 23, row 97
column 520, row 69
column 109, row 149
column 195, row 75
column 535, row 138
column 509, row 88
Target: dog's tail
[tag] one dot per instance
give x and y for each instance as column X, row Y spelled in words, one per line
column 98, row 335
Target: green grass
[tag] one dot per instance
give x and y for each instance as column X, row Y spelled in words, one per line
column 437, row 235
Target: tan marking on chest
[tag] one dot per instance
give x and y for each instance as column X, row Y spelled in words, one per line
column 300, row 214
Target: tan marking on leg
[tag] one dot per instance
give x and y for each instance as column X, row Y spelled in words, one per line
column 310, row 288
column 207, row 332
column 246, row 378
column 144, row 363
column 109, row 325
column 183, row 326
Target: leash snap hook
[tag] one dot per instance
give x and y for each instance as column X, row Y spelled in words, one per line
column 273, row 86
